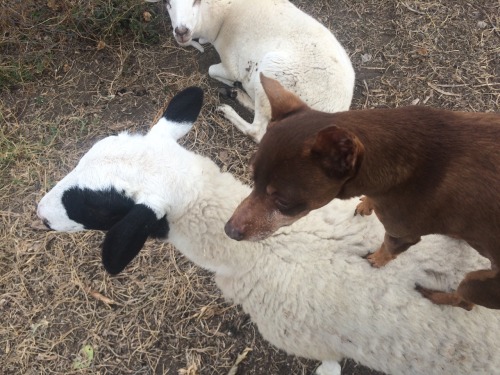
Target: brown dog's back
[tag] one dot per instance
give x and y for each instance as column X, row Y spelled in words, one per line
column 435, row 169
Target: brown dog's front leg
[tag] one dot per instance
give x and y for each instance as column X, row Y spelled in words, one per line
column 364, row 208
column 390, row 249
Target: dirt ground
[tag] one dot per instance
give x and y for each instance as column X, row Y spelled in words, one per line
column 74, row 71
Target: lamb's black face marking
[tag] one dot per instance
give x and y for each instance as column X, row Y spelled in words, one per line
column 99, row 209
column 102, row 209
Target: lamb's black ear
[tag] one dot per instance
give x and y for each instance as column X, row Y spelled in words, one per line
column 185, row 106
column 127, row 237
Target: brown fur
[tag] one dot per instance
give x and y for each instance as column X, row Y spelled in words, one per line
column 422, row 171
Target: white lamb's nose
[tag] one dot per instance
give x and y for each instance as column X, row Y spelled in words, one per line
column 46, row 223
column 181, row 31
column 40, row 215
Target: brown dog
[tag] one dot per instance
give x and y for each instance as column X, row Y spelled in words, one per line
column 422, row 171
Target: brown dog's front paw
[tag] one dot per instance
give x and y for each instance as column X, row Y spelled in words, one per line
column 379, row 258
column 364, row 208
column 444, row 298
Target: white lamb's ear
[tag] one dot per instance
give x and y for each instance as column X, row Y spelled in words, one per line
column 183, row 110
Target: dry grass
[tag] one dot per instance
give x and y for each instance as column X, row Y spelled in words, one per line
column 60, row 92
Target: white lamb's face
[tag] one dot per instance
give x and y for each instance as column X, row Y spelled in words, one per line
column 94, row 194
column 127, row 184
column 184, row 17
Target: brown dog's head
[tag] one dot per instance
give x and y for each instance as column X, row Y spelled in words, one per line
column 301, row 164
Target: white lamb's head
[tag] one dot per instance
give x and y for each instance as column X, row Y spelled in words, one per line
column 128, row 184
column 184, row 17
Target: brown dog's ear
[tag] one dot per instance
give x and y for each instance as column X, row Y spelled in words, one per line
column 283, row 102
column 338, row 151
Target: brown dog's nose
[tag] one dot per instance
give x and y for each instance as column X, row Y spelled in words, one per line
column 233, row 232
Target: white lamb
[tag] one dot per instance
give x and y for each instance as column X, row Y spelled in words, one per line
column 307, row 288
column 269, row 36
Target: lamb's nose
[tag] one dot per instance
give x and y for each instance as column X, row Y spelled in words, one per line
column 181, row 31
column 46, row 223
column 233, row 232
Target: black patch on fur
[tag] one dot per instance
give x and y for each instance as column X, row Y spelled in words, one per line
column 99, row 209
column 185, row 106
column 102, row 209
column 125, row 239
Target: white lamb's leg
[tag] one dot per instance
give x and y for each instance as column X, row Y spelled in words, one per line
column 198, row 46
column 245, row 100
column 255, row 130
column 274, row 65
column 262, row 108
column 220, row 73
column 329, row 368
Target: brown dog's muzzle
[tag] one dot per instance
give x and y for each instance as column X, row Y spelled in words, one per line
column 252, row 220
column 242, row 223
column 233, row 232
column 256, row 218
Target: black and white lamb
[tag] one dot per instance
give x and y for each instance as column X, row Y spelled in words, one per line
column 307, row 287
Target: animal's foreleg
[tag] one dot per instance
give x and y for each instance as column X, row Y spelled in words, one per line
column 220, row 73
column 245, row 100
column 364, row 208
column 390, row 249
column 198, row 46
column 245, row 127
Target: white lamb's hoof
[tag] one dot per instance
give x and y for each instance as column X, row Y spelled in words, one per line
column 329, row 368
column 225, row 109
column 228, row 112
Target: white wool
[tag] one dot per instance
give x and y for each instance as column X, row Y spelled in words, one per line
column 312, row 294
column 307, row 287
column 271, row 37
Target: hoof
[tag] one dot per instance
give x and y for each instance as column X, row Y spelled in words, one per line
column 228, row 92
column 329, row 368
